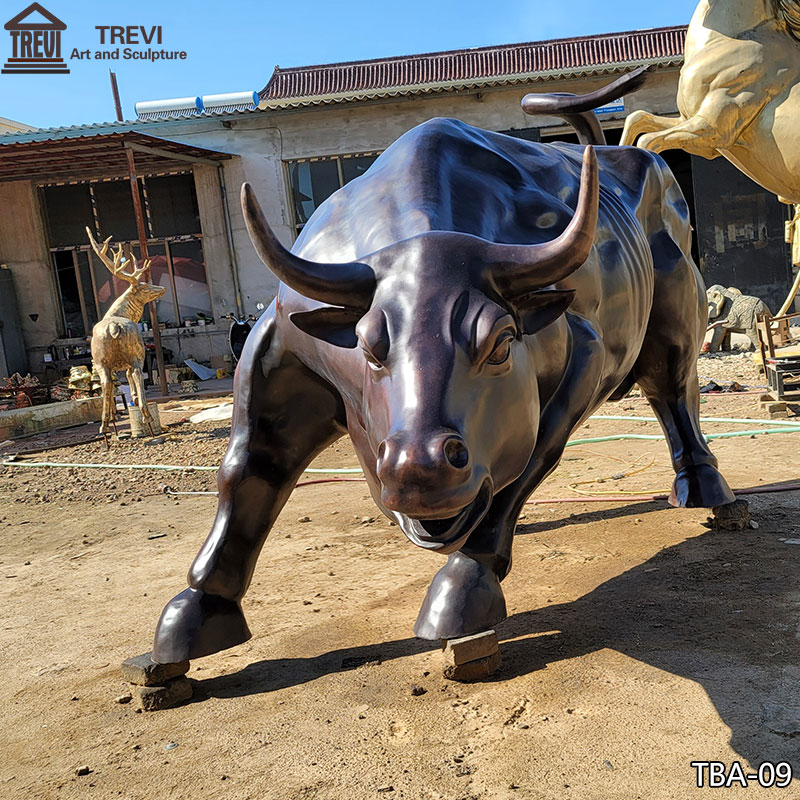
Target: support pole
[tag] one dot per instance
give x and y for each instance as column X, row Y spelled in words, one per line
column 142, row 234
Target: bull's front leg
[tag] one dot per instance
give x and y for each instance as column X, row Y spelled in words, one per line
column 465, row 595
column 284, row 414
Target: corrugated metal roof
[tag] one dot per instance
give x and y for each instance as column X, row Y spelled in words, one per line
column 94, row 155
column 481, row 66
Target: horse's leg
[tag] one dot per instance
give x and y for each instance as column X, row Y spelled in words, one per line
column 694, row 135
column 640, row 122
column 717, row 126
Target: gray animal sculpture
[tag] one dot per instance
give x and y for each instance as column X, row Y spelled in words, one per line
column 459, row 309
column 733, row 312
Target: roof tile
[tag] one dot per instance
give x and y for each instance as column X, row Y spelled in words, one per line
column 477, row 65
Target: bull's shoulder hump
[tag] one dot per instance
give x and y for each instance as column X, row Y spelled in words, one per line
column 632, row 166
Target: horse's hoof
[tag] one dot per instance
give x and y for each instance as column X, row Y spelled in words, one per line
column 700, row 486
column 196, row 624
column 464, row 597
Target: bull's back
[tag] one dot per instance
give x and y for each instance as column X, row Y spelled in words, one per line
column 448, row 176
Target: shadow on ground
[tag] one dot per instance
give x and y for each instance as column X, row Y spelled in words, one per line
column 721, row 609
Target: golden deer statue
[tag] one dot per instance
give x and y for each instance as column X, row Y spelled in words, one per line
column 116, row 341
column 738, row 96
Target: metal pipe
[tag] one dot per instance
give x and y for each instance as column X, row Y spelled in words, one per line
column 229, row 236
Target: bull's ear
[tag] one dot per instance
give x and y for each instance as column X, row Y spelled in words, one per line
column 538, row 309
column 331, row 324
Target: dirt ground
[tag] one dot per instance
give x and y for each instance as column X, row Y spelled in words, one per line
column 637, row 640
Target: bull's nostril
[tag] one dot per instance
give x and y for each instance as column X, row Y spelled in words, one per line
column 381, row 450
column 455, row 451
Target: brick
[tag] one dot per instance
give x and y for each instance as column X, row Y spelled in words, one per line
column 473, row 670
column 143, row 671
column 470, row 648
column 156, row 698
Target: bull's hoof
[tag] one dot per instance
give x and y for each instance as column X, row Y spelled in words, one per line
column 700, row 486
column 464, row 597
column 196, row 624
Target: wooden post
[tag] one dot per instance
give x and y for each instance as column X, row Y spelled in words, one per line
column 142, row 234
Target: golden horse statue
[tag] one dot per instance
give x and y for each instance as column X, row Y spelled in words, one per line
column 738, row 96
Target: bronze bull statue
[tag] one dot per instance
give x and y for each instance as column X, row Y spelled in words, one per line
column 459, row 310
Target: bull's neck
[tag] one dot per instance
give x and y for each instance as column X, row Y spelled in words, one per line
column 127, row 305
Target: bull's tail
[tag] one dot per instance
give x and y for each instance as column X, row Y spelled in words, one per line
column 116, row 330
column 577, row 108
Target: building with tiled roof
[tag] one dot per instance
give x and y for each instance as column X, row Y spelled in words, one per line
column 314, row 129
column 474, row 68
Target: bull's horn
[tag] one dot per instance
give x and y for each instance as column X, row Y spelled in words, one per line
column 337, row 284
column 521, row 268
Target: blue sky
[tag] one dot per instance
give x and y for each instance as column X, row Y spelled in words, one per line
column 233, row 45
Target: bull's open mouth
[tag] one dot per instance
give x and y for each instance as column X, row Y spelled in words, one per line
column 448, row 535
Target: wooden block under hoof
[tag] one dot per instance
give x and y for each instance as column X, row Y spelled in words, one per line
column 156, row 698
column 469, row 648
column 143, row 671
column 473, row 670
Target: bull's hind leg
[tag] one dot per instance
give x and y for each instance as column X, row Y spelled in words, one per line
column 283, row 416
column 666, row 370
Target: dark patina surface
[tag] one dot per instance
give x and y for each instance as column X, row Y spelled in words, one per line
column 458, row 310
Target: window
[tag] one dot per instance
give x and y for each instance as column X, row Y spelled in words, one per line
column 173, row 205
column 312, row 181
column 69, row 211
column 86, row 287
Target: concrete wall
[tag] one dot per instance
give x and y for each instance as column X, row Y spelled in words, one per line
column 23, row 247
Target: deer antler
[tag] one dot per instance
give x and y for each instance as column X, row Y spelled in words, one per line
column 115, row 267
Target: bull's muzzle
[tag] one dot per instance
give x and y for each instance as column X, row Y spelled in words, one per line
column 426, row 477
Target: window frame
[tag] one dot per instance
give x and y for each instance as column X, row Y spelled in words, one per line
column 298, row 226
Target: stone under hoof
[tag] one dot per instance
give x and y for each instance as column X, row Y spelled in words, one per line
column 700, row 486
column 471, row 658
column 464, row 598
column 167, row 695
column 143, row 671
column 730, row 517
column 195, row 624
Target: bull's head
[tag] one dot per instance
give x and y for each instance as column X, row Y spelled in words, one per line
column 450, row 406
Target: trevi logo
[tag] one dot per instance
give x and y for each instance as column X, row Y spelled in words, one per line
column 35, row 43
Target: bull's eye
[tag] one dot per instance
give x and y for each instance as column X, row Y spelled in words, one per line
column 501, row 352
